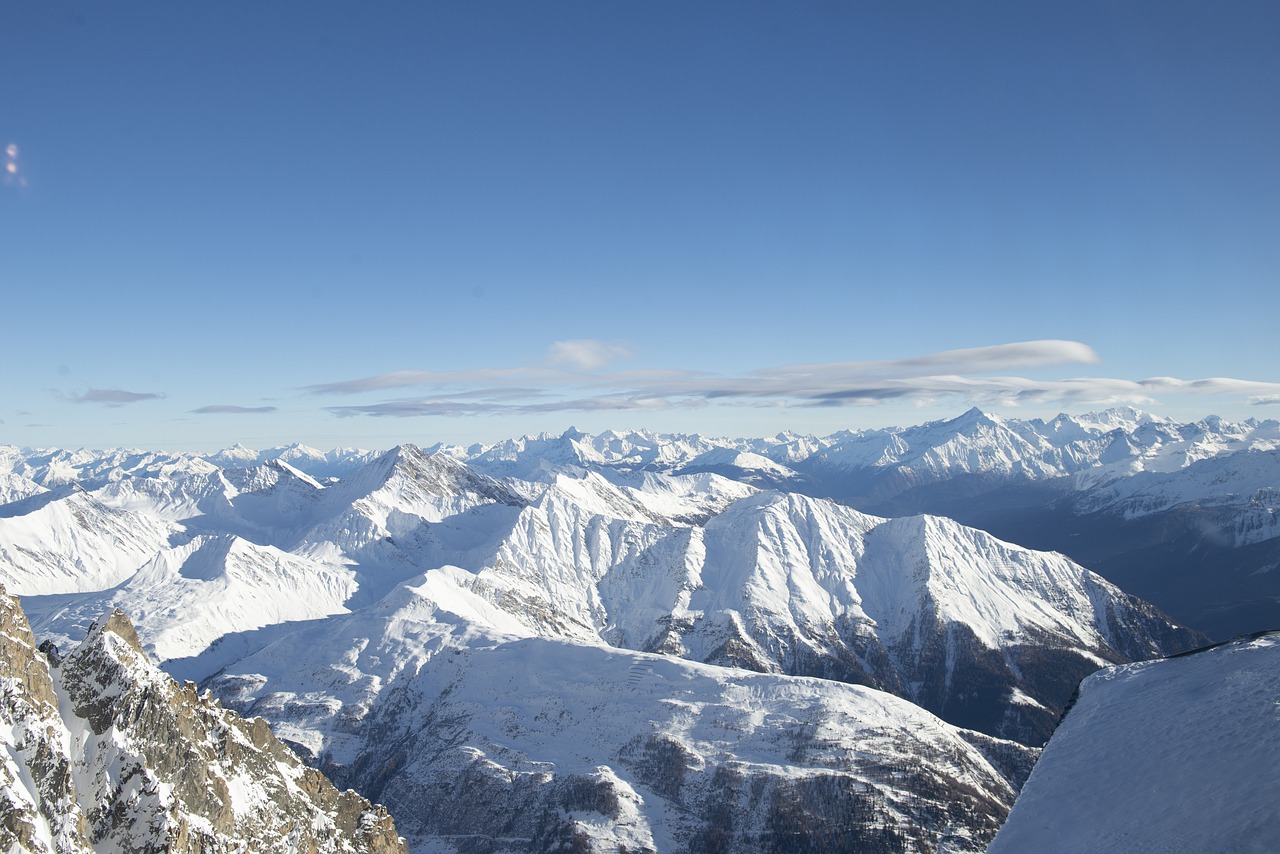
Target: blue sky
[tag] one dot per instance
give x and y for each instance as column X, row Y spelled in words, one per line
column 360, row 224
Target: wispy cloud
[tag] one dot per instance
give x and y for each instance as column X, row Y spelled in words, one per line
column 113, row 396
column 219, row 408
column 459, row 407
column 1265, row 400
column 989, row 376
column 1023, row 355
column 443, row 379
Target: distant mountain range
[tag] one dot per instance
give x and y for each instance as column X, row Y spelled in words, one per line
column 661, row 643
column 1183, row 515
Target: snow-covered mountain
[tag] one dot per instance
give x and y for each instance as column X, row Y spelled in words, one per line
column 986, row 634
column 1184, row 515
column 603, row 641
column 1174, row 755
column 542, row 744
column 781, row 583
column 104, row 752
column 1246, row 484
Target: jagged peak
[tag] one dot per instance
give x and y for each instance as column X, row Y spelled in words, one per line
column 118, row 624
column 409, row 467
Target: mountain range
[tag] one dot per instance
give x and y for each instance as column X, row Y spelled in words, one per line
column 633, row 640
column 1182, row 514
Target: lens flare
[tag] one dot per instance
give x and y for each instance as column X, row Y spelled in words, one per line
column 11, row 176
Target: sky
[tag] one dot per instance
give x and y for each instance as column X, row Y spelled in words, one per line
column 359, row 224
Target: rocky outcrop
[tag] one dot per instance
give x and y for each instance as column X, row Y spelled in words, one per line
column 39, row 808
column 131, row 761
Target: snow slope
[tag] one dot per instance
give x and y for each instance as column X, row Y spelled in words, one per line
column 1174, row 755
column 75, row 543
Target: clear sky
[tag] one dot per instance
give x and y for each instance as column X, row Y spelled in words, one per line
column 366, row 223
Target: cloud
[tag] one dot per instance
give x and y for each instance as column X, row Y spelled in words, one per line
column 587, row 354
column 986, row 376
column 442, row 379
column 234, row 410
column 1265, row 400
column 566, row 363
column 888, row 379
column 1212, row 385
column 113, row 396
column 454, row 408
column 1024, row 355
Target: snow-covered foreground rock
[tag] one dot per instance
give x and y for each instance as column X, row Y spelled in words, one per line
column 1174, row 755
column 104, row 752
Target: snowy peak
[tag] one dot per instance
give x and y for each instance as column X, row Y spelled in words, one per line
column 783, row 583
column 236, row 455
column 971, row 420
column 1125, row 418
column 322, row 465
column 407, row 473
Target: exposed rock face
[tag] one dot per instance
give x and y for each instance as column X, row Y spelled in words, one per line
column 134, row 762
